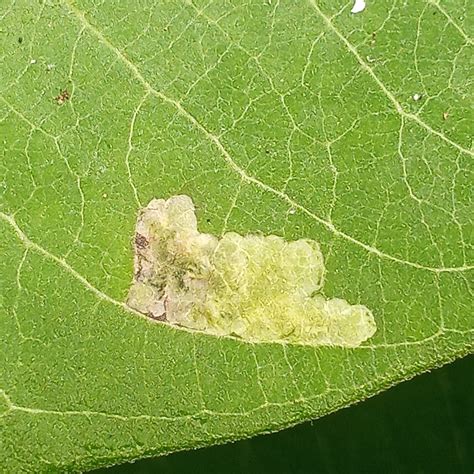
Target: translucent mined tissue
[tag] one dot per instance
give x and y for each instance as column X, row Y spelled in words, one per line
column 257, row 288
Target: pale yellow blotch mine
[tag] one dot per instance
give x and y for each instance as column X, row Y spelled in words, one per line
column 257, row 288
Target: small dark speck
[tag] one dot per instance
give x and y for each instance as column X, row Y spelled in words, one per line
column 20, row 40
column 208, row 221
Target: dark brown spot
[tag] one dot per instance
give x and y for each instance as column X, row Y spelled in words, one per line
column 160, row 317
column 141, row 241
column 62, row 97
column 138, row 272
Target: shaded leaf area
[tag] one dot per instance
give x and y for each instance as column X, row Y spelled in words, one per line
column 309, row 131
column 420, row 426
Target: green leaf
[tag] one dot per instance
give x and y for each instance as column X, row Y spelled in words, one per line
column 295, row 119
column 435, row 409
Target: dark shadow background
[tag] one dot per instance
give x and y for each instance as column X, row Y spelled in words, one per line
column 425, row 425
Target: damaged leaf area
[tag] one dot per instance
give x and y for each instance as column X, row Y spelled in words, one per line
column 257, row 288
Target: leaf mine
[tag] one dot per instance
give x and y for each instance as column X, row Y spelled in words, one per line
column 257, row 288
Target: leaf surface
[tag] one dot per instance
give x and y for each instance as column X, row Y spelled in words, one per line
column 299, row 120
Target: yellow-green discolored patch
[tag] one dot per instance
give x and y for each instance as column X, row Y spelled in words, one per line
column 257, row 288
